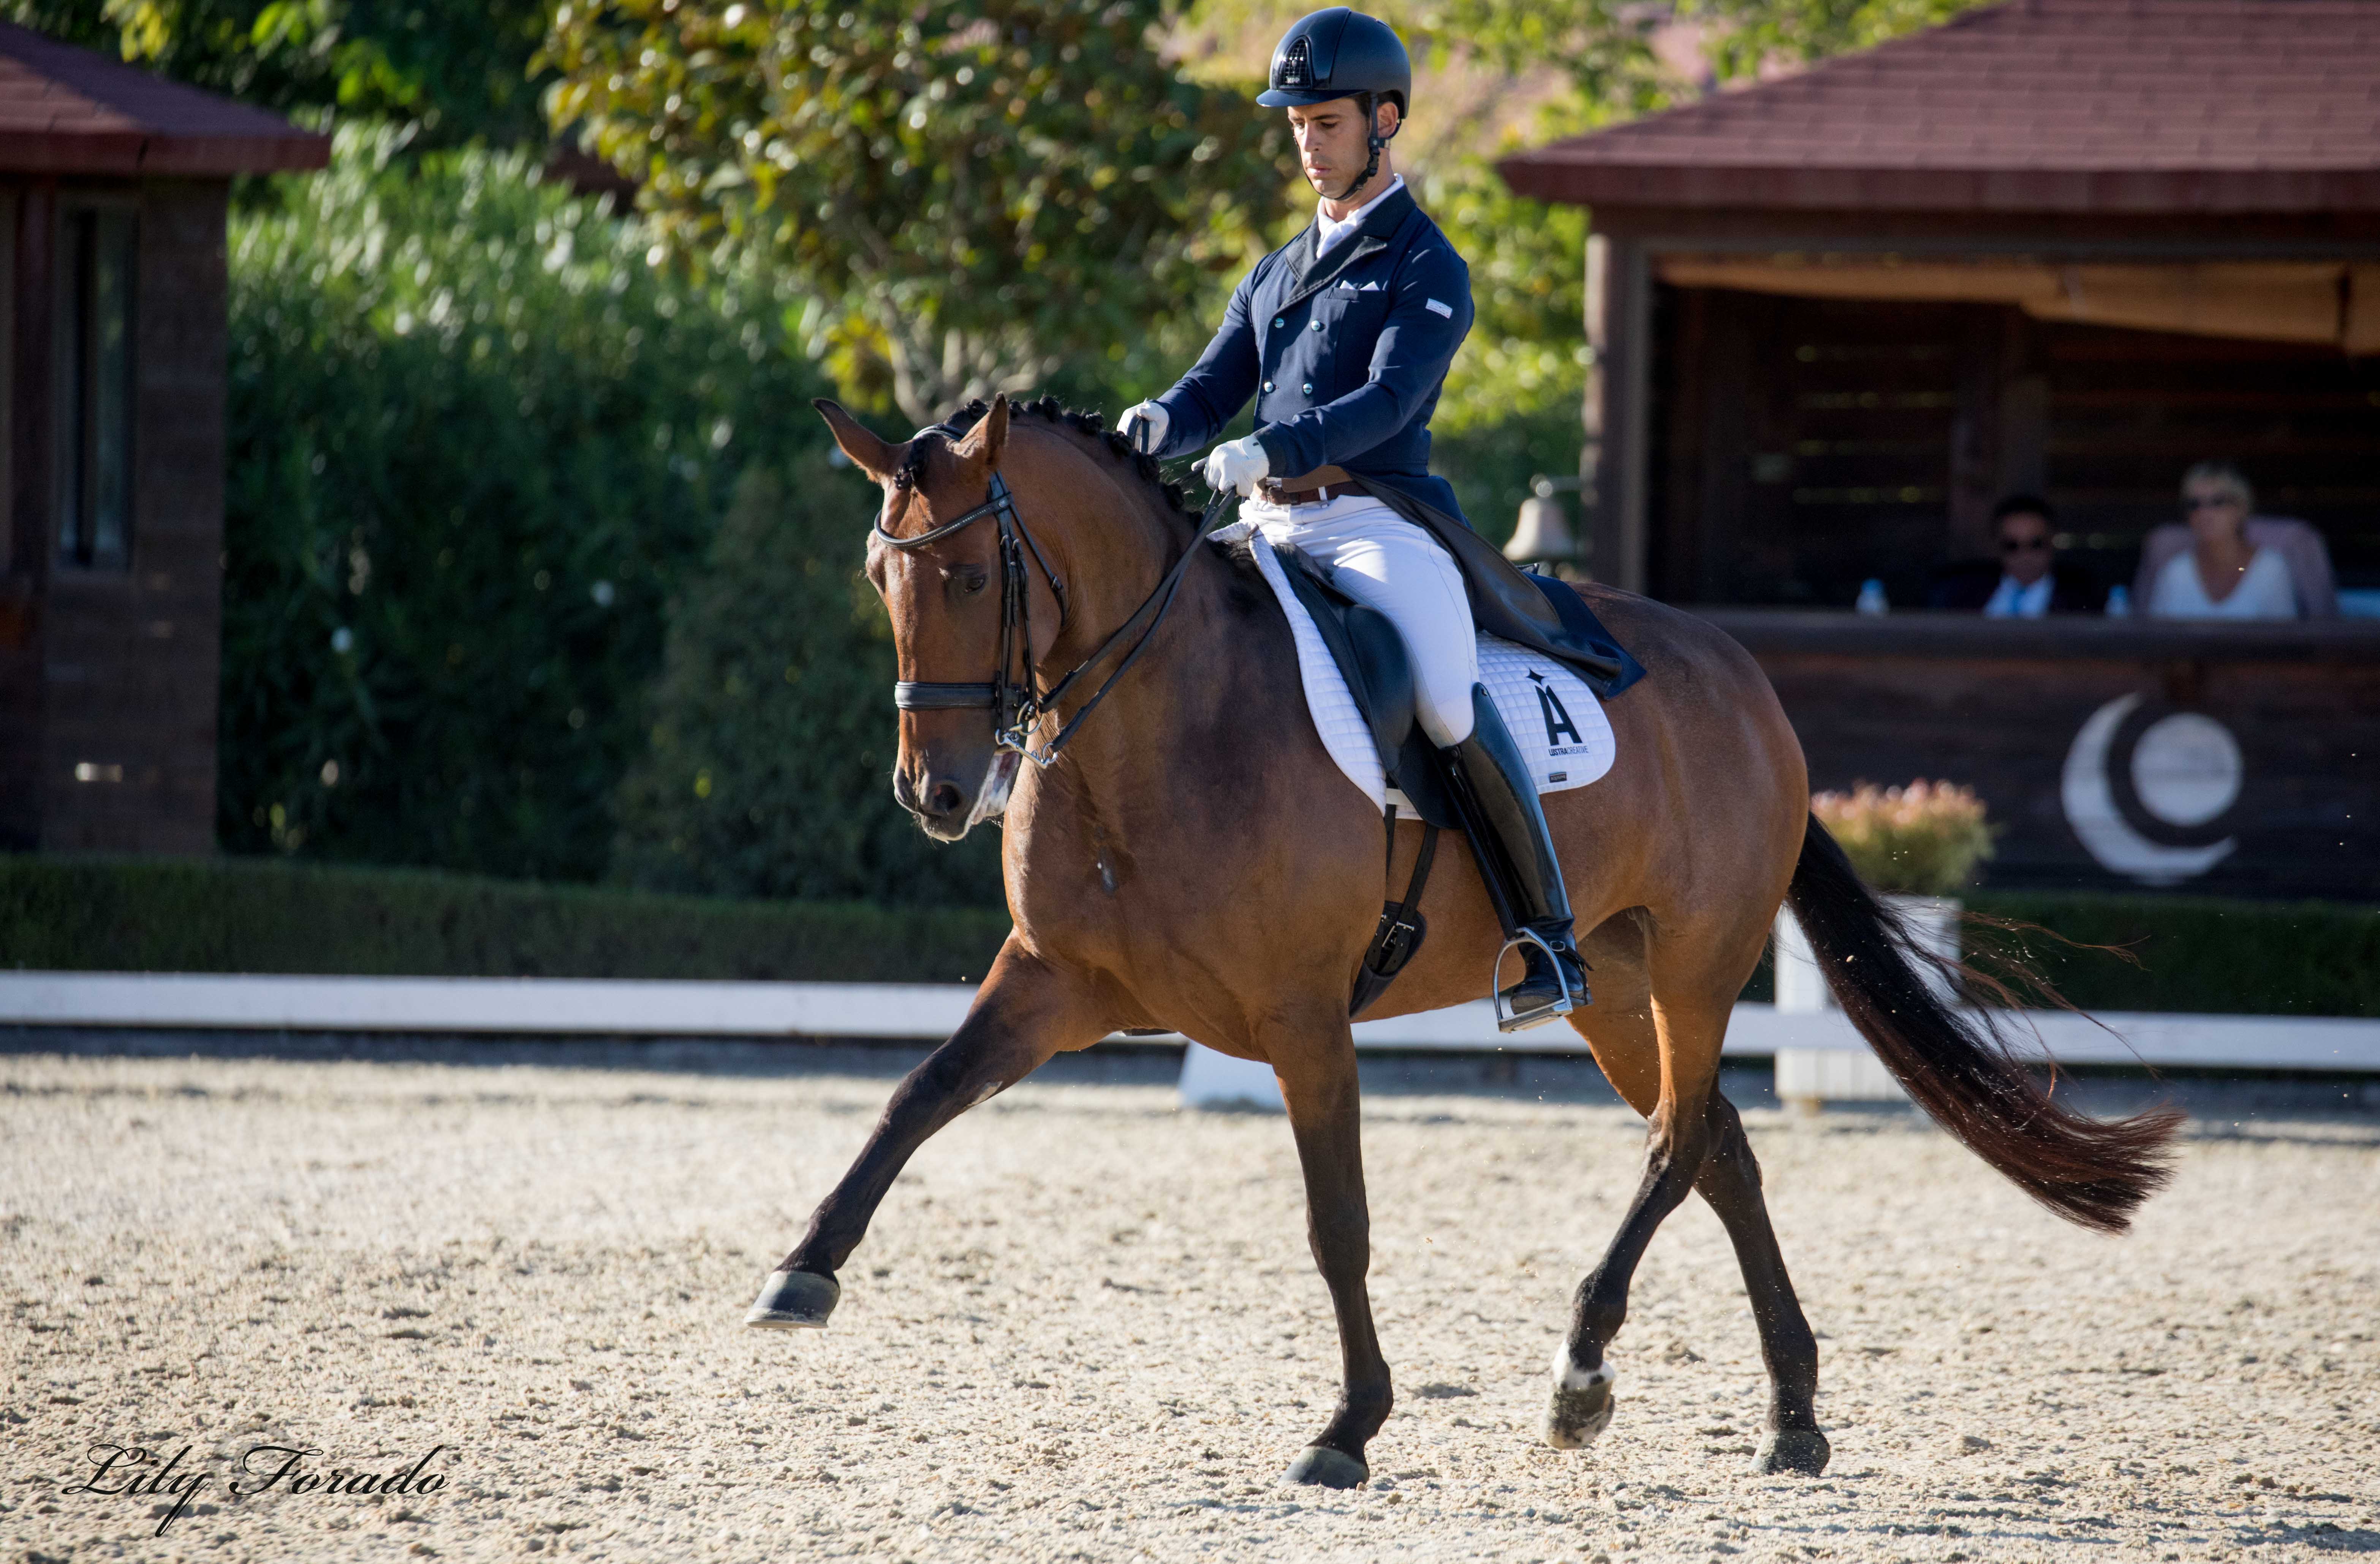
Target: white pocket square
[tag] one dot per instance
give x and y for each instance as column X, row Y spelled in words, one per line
column 1369, row 287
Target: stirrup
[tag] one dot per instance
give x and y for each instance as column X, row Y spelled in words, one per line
column 1521, row 1020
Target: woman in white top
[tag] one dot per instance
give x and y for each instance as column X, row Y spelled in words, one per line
column 2225, row 572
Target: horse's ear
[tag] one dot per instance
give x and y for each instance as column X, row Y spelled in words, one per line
column 880, row 459
column 989, row 437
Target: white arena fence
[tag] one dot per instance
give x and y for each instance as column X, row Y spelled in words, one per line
column 618, row 1006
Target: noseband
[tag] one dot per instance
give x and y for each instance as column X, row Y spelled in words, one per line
column 1016, row 704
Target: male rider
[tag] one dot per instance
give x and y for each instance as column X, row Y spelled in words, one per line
column 1343, row 336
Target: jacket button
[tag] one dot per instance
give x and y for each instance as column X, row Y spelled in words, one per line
column 1279, row 322
column 1313, row 326
column 1268, row 385
column 1309, row 388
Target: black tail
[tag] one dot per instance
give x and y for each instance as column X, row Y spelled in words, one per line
column 1957, row 1066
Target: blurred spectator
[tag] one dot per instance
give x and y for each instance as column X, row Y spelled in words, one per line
column 2224, row 562
column 2030, row 580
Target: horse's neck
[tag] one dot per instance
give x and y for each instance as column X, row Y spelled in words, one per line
column 1211, row 697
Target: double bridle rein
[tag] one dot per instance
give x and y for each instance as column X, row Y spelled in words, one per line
column 1018, row 704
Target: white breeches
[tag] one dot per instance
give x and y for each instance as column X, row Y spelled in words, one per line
column 1386, row 562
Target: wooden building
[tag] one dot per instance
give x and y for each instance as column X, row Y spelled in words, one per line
column 2065, row 247
column 113, row 186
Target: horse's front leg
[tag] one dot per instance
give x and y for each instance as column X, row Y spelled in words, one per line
column 1315, row 1067
column 1026, row 1011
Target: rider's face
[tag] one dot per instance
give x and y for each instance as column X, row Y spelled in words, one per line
column 1330, row 141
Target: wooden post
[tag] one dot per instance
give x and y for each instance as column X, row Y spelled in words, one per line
column 1618, row 322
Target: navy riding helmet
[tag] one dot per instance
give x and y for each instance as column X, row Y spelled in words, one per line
column 1344, row 54
column 1339, row 54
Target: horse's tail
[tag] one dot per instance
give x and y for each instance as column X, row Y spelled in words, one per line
column 1957, row 1066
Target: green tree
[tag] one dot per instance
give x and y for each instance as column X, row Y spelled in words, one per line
column 767, row 771
column 457, row 73
column 476, row 437
column 973, row 194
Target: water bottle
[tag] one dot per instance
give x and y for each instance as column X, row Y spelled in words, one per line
column 2119, row 602
column 1872, row 599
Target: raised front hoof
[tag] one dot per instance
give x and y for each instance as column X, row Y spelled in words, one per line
column 1582, row 1402
column 1320, row 1466
column 793, row 1301
column 1792, row 1450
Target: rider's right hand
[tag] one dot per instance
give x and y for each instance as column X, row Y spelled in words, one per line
column 1142, row 426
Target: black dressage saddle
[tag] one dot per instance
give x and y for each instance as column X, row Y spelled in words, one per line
column 1378, row 670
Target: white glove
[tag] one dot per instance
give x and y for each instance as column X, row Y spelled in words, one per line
column 1142, row 426
column 1240, row 465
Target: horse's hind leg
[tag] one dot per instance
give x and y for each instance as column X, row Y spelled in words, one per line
column 1026, row 1011
column 1318, row 1086
column 1730, row 1183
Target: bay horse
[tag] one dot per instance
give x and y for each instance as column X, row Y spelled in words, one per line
column 1192, row 861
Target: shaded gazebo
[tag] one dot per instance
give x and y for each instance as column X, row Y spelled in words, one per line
column 2066, row 246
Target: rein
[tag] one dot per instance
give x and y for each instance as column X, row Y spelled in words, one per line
column 1016, row 705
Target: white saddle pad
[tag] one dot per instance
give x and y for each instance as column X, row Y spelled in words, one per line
column 1552, row 715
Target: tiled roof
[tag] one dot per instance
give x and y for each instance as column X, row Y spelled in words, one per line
column 2038, row 106
column 64, row 110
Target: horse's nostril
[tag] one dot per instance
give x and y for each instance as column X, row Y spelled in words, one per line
column 943, row 800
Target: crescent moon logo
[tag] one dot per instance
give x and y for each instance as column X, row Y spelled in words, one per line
column 2184, row 772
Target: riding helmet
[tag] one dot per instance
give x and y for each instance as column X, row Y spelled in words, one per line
column 1339, row 54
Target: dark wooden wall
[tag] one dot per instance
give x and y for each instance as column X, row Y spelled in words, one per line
column 117, row 671
column 1999, row 707
column 1801, row 446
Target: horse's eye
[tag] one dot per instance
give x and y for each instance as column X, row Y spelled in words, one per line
column 972, row 582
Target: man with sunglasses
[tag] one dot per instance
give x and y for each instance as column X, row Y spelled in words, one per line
column 2031, row 580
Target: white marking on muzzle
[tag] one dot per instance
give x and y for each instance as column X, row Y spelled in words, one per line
column 991, row 798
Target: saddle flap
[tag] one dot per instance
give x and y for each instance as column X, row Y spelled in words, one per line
column 1370, row 654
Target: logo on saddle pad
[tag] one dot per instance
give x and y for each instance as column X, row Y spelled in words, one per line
column 1557, row 716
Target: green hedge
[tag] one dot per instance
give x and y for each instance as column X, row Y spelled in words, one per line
column 2304, row 958
column 2202, row 953
column 234, row 916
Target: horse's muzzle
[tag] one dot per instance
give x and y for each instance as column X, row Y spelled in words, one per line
column 948, row 811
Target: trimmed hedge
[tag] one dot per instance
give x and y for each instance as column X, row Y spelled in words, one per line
column 2201, row 953
column 2303, row 958
column 2197, row 955
column 234, row 916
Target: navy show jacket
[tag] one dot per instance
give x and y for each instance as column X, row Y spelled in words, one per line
column 1345, row 354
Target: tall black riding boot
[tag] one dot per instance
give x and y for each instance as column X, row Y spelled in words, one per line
column 1500, row 802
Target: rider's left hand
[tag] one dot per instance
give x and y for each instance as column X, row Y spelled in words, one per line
column 1239, row 467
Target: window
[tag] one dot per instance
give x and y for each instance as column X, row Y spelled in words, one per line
column 94, row 408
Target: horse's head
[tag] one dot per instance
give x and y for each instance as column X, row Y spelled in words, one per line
column 944, row 595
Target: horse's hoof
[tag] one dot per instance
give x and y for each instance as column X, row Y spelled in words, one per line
column 1792, row 1450
column 1582, row 1402
column 793, row 1301
column 1323, row 1467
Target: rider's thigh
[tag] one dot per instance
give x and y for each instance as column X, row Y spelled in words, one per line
column 1391, row 565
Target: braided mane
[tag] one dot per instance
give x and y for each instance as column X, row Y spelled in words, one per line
column 1098, row 440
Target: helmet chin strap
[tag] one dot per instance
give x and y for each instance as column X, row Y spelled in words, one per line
column 1376, row 142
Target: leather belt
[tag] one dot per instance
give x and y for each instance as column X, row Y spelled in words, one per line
column 1308, row 489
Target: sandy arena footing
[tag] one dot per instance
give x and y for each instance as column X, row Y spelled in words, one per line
column 1086, row 1325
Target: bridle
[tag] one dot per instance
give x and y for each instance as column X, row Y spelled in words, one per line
column 1018, row 704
